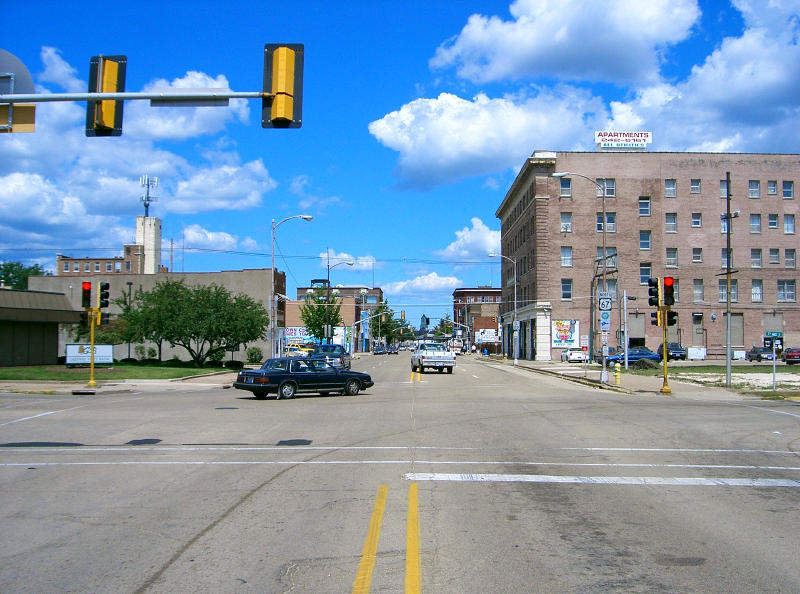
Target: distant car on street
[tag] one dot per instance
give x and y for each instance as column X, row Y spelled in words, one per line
column 286, row 376
column 379, row 350
column 574, row 355
column 391, row 350
column 334, row 354
column 634, row 355
column 674, row 351
column 759, row 354
column 791, row 355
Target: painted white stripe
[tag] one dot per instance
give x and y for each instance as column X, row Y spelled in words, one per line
column 606, row 480
column 286, row 448
column 44, row 414
column 684, row 450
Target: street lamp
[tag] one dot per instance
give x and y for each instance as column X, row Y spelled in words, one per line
column 515, row 345
column 272, row 308
column 602, row 189
column 329, row 330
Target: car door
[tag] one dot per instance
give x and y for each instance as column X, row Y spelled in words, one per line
column 303, row 375
column 325, row 376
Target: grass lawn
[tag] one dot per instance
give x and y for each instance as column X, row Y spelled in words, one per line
column 120, row 371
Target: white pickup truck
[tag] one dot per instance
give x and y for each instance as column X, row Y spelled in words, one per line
column 432, row 355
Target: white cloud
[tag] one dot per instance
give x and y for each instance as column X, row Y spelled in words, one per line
column 568, row 39
column 473, row 243
column 57, row 71
column 426, row 283
column 194, row 236
column 300, row 186
column 333, row 258
column 221, row 187
column 447, row 138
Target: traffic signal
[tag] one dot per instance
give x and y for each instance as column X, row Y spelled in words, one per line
column 106, row 75
column 283, row 81
column 84, row 319
column 672, row 317
column 86, row 294
column 669, row 290
column 103, row 294
column 654, row 290
column 102, row 319
column 655, row 317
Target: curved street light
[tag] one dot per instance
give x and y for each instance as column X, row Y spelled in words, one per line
column 272, row 309
column 515, row 344
column 329, row 330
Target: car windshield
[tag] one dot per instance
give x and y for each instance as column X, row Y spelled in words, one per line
column 328, row 349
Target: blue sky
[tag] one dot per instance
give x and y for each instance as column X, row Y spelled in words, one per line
column 416, row 117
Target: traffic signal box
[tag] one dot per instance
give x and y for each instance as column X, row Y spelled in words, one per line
column 103, row 295
column 106, row 75
column 662, row 296
column 654, row 291
column 86, row 294
column 283, row 81
column 668, row 291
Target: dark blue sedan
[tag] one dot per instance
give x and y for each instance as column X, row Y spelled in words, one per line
column 286, row 376
column 634, row 355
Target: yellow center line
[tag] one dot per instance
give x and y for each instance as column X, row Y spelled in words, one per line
column 413, row 581
column 364, row 575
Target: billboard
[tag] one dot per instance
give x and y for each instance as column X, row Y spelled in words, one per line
column 81, row 354
column 622, row 140
column 565, row 334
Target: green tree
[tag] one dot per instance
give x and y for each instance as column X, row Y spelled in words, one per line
column 316, row 313
column 383, row 326
column 204, row 320
column 15, row 274
column 444, row 327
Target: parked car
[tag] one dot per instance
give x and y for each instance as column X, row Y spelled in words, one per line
column 598, row 354
column 334, row 354
column 634, row 355
column 379, row 350
column 573, row 355
column 287, row 376
column 759, row 354
column 391, row 350
column 674, row 351
column 791, row 356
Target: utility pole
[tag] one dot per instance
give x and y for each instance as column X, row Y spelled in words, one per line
column 728, row 353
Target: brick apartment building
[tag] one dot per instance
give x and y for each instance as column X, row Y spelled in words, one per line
column 663, row 217
column 476, row 309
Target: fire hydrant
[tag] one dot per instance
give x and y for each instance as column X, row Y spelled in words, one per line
column 617, row 373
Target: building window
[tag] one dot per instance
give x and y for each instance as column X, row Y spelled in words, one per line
column 787, row 290
column 755, row 258
column 757, row 290
column 788, row 224
column 644, row 240
column 611, row 257
column 566, row 187
column 754, row 188
column 645, row 270
column 697, row 255
column 697, row 219
column 566, row 222
column 774, row 256
column 610, row 185
column 695, row 186
column 788, row 190
column 66, row 267
column 723, row 225
column 723, row 290
column 727, row 257
column 790, row 258
column 772, row 188
column 772, row 221
column 671, row 222
column 755, row 223
column 698, row 294
column 86, row 267
column 644, row 206
column 127, row 266
column 97, row 266
column 566, row 289
column 566, row 255
column 672, row 258
column 108, row 266
column 670, row 188
column 723, row 188
column 76, row 267
column 611, row 222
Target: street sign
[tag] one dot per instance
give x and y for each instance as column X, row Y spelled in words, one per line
column 605, row 321
column 604, row 301
column 773, row 334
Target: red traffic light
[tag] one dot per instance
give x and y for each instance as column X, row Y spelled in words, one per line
column 669, row 290
column 86, row 294
column 669, row 281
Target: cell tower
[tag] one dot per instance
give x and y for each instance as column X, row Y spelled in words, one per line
column 148, row 182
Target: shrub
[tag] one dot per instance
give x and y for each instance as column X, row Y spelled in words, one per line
column 151, row 353
column 128, row 360
column 234, row 364
column 644, row 364
column 254, row 355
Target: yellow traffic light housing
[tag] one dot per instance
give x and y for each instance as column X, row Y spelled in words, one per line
column 106, row 75
column 283, row 82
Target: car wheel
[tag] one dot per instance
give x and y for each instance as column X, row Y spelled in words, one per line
column 412, row 367
column 287, row 391
column 352, row 387
column 449, row 370
column 422, row 369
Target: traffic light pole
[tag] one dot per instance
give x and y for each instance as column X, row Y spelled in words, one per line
column 665, row 389
column 93, row 313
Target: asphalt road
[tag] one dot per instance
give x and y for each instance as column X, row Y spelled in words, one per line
column 492, row 479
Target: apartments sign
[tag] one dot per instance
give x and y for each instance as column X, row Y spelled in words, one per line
column 622, row 140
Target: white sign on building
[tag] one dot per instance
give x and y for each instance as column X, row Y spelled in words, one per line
column 608, row 139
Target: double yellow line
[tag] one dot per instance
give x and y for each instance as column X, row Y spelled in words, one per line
column 415, row 375
column 368, row 555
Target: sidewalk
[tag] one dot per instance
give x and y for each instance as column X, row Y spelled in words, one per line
column 630, row 383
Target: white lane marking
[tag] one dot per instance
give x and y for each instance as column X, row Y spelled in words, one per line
column 605, row 480
column 44, row 414
column 286, row 448
column 771, row 410
column 683, row 450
